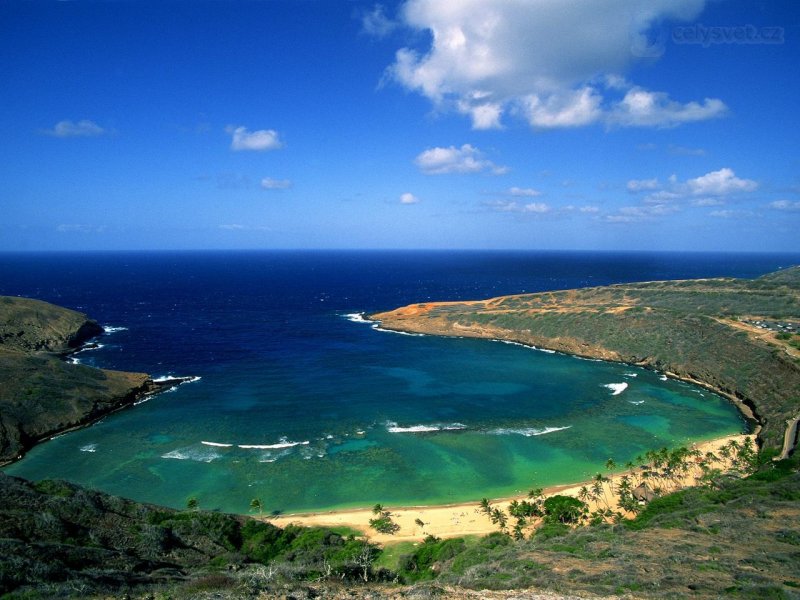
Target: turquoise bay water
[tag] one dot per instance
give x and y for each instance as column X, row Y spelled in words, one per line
column 496, row 419
column 303, row 406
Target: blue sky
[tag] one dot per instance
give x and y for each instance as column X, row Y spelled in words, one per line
column 530, row 124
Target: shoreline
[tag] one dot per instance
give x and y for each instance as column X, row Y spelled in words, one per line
column 462, row 518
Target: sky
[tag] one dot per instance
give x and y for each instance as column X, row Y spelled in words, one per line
column 474, row 124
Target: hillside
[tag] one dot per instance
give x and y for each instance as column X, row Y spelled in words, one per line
column 737, row 337
column 41, row 394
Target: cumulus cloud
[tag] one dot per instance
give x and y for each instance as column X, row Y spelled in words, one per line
column 268, row 183
column 641, row 108
column 263, row 139
column 556, row 64
column 529, row 192
column 466, row 159
column 563, row 109
column 715, row 188
column 720, row 183
column 408, row 198
column 83, row 128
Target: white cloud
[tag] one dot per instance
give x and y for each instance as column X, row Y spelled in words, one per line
column 466, row 159
column 529, row 192
column 637, row 185
column 785, row 205
column 376, row 23
column 263, row 139
column 633, row 214
column 568, row 109
column 512, row 206
column 662, row 196
column 707, row 202
column 712, row 189
column 485, row 115
column 589, row 209
column 268, row 183
column 408, row 198
column 641, row 108
column 83, row 128
column 545, row 60
column 720, row 183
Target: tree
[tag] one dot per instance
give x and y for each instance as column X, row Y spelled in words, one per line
column 564, row 509
column 193, row 503
column 485, row 506
column 256, row 504
column 377, row 509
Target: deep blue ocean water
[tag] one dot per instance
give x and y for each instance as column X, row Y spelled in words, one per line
column 302, row 406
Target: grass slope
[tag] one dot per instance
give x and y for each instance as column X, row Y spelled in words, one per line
column 40, row 394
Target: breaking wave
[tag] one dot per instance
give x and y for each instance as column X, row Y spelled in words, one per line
column 616, row 388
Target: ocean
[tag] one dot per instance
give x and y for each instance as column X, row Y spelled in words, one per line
column 302, row 404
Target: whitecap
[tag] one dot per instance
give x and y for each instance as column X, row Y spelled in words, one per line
column 199, row 455
column 663, row 377
column 108, row 329
column 91, row 346
column 392, row 427
column 636, row 402
column 376, row 327
column 616, row 388
column 528, row 346
column 183, row 378
column 283, row 443
column 216, row 444
column 630, row 375
column 357, row 318
column 527, row 431
column 89, row 448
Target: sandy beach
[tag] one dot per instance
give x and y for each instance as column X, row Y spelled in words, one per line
column 461, row 519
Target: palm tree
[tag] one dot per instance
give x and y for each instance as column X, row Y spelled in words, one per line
column 256, row 504
column 486, row 506
column 611, row 464
column 377, row 509
column 193, row 503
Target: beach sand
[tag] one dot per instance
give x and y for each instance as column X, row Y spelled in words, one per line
column 454, row 520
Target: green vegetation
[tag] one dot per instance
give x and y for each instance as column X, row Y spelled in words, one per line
column 41, row 394
column 57, row 539
column 704, row 555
